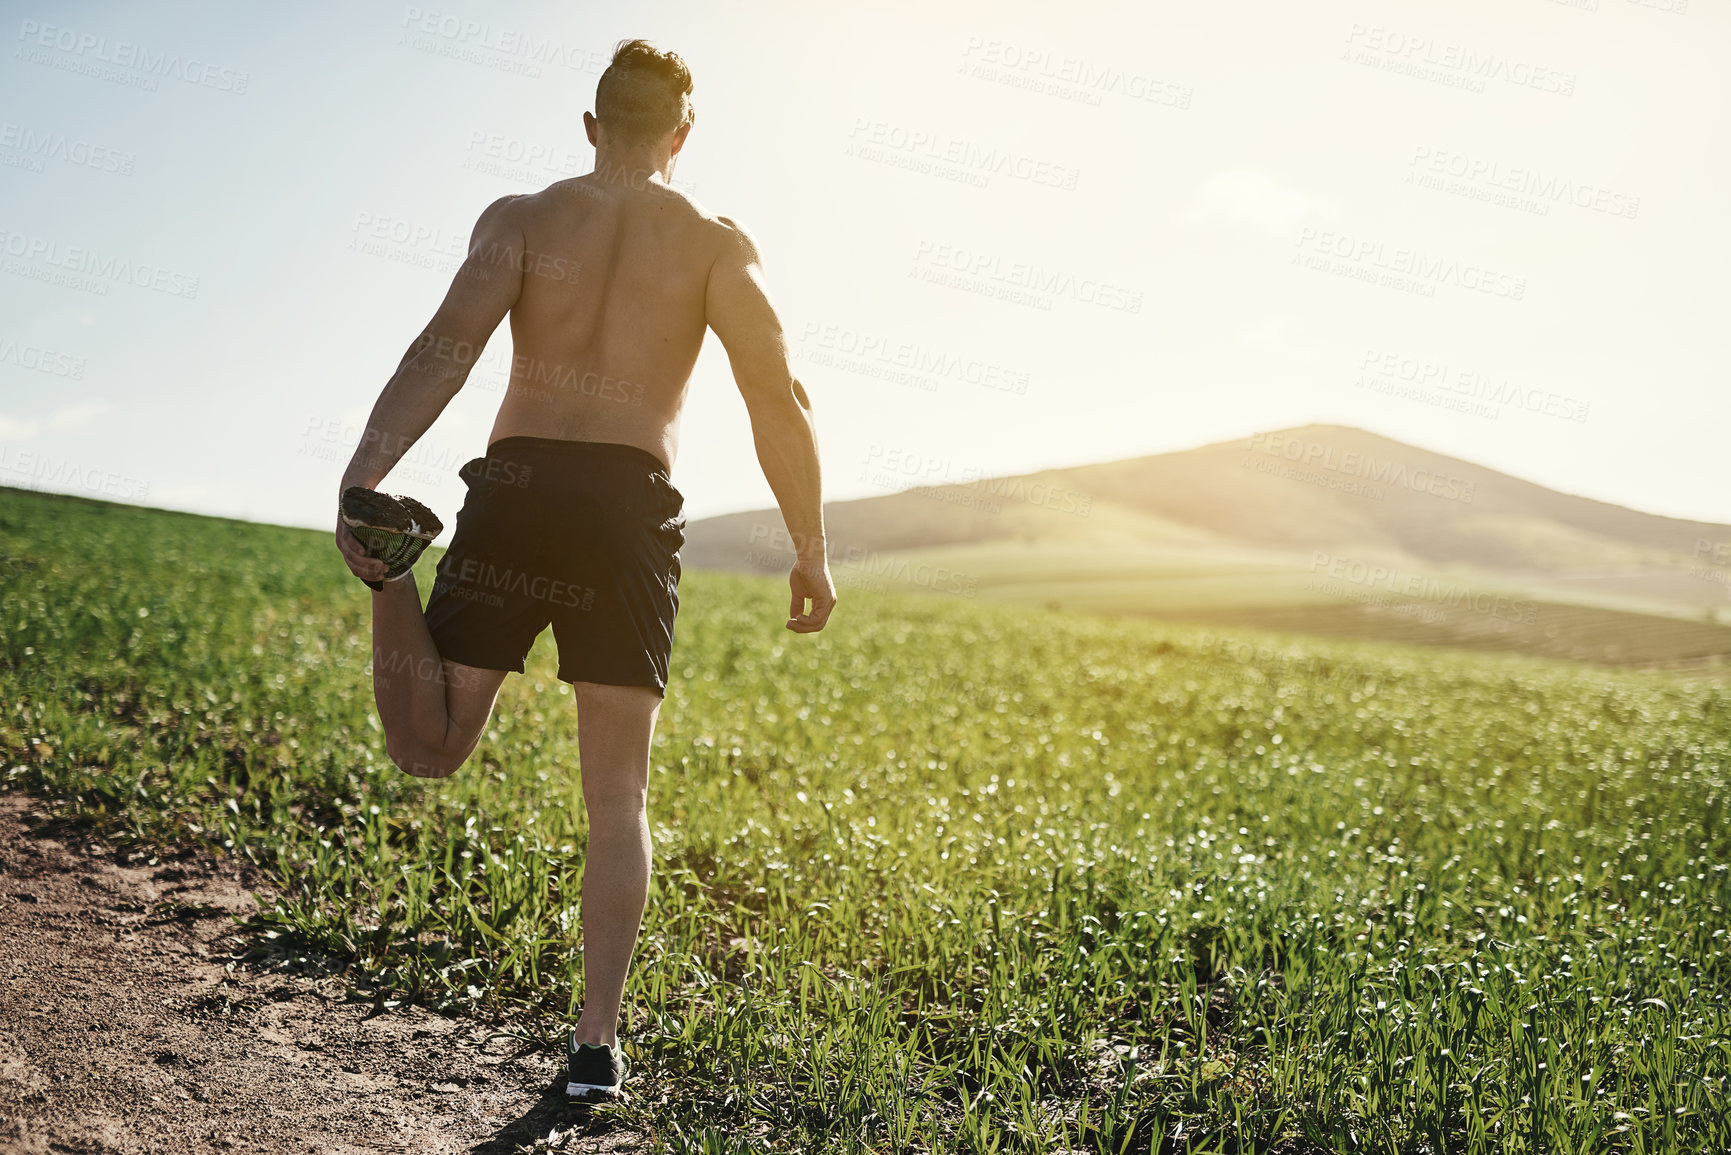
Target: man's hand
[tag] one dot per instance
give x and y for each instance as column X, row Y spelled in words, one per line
column 364, row 567
column 810, row 580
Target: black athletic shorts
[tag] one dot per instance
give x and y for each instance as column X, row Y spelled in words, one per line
column 581, row 535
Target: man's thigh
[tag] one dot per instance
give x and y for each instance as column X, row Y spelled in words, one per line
column 614, row 728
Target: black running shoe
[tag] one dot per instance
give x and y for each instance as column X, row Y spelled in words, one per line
column 593, row 1072
column 394, row 529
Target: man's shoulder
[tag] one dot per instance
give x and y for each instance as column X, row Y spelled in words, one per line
column 729, row 225
column 733, row 238
column 499, row 221
column 507, row 205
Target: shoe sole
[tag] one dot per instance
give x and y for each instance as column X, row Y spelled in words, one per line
column 385, row 525
column 368, row 509
column 592, row 1092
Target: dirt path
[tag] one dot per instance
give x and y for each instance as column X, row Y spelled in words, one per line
column 123, row 1031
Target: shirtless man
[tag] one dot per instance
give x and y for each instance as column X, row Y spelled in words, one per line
column 570, row 518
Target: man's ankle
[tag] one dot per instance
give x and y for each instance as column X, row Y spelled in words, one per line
column 581, row 1034
column 394, row 586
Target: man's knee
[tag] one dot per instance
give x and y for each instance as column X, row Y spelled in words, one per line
column 424, row 760
column 618, row 796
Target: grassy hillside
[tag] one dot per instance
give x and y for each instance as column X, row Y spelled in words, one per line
column 952, row 876
column 1322, row 530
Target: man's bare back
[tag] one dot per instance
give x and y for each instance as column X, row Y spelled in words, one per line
column 612, row 310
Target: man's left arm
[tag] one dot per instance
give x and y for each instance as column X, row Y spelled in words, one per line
column 438, row 362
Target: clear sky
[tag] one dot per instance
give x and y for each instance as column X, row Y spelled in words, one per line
column 1003, row 236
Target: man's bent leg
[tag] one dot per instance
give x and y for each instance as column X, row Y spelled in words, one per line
column 614, row 726
column 433, row 710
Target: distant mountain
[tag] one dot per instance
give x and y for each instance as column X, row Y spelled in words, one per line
column 1321, row 528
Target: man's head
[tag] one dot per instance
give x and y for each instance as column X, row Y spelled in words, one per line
column 642, row 104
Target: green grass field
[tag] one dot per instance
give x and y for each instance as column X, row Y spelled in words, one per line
column 951, row 876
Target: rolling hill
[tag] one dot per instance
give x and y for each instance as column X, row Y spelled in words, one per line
column 1320, row 529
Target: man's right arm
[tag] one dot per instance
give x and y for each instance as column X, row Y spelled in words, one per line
column 738, row 308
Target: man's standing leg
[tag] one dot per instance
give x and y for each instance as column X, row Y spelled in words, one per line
column 614, row 727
